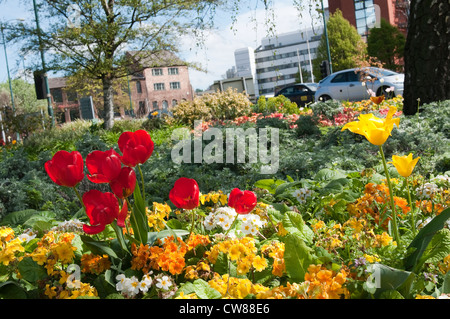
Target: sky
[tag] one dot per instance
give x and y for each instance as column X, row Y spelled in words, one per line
column 215, row 56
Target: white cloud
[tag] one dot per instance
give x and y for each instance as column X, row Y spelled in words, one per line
column 217, row 53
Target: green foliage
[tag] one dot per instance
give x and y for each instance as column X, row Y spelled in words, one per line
column 345, row 44
column 387, row 44
column 278, row 104
column 226, row 105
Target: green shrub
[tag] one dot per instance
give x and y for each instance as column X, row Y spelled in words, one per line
column 226, row 105
column 279, row 104
column 307, row 125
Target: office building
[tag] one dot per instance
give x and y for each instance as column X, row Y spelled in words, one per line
column 279, row 59
column 362, row 13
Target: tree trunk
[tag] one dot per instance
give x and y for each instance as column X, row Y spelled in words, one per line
column 108, row 102
column 427, row 54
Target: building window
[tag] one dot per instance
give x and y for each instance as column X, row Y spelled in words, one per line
column 138, row 87
column 365, row 15
column 175, row 85
column 72, row 97
column 158, row 86
column 57, row 95
column 165, row 105
column 155, row 105
column 157, row 72
column 173, row 71
column 174, row 102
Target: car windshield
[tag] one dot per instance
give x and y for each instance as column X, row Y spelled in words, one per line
column 312, row 86
column 381, row 72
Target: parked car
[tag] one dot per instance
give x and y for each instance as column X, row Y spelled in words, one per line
column 300, row 93
column 359, row 84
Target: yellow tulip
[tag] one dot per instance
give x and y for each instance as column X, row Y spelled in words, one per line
column 404, row 164
column 376, row 130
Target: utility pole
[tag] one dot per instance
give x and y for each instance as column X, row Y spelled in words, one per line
column 44, row 69
column 326, row 37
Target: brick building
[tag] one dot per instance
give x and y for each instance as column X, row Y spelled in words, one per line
column 361, row 13
column 161, row 82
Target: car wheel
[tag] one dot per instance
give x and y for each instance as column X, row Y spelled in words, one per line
column 324, row 98
column 382, row 91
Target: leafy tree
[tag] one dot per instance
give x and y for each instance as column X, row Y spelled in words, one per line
column 94, row 36
column 25, row 100
column 83, row 85
column 387, row 44
column 345, row 45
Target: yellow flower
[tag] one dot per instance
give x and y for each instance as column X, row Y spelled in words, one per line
column 50, row 292
column 259, row 263
column 65, row 252
column 6, row 234
column 372, row 258
column 404, row 164
column 376, row 130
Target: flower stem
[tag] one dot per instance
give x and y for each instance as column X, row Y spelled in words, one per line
column 413, row 222
column 232, row 224
column 391, row 196
column 79, row 197
column 142, row 180
column 119, row 235
column 193, row 223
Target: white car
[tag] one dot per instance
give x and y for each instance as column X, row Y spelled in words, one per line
column 360, row 84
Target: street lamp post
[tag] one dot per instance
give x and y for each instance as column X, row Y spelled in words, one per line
column 9, row 74
column 326, row 37
column 49, row 99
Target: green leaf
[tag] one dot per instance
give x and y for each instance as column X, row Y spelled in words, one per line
column 438, row 248
column 283, row 187
column 31, row 271
column 297, row 257
column 420, row 243
column 20, row 217
column 335, row 186
column 384, row 278
column 294, row 224
column 269, row 184
column 204, row 291
column 98, row 247
column 327, row 174
column 12, row 290
column 172, row 232
column 445, row 289
column 138, row 218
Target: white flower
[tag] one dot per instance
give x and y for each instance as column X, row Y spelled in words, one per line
column 163, row 283
column 146, row 283
column 27, row 236
column 302, row 194
column 223, row 220
column 121, row 281
column 129, row 287
column 441, row 178
column 209, row 222
column 426, row 190
column 248, row 228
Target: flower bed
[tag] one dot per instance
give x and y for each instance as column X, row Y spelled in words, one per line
column 334, row 236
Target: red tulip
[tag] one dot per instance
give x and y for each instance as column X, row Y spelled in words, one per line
column 136, row 147
column 243, row 202
column 123, row 186
column 65, row 169
column 103, row 166
column 185, row 193
column 102, row 209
